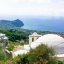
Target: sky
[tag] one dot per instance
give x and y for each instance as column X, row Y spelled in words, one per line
column 32, row 7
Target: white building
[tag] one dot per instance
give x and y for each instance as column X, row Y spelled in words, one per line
column 33, row 37
column 52, row 40
column 3, row 40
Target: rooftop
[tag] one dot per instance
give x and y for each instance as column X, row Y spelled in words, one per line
column 35, row 34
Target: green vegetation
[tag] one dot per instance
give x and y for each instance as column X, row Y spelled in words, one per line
column 11, row 45
column 3, row 56
column 22, row 34
column 15, row 35
column 42, row 54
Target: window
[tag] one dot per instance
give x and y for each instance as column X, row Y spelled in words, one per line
column 32, row 39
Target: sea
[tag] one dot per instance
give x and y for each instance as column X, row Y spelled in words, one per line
column 44, row 24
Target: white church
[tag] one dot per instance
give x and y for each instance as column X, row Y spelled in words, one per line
column 51, row 40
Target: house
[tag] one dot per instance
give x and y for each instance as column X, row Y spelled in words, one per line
column 3, row 40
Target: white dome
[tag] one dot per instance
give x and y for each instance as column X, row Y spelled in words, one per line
column 48, row 39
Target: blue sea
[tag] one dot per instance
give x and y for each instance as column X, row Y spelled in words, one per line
column 44, row 24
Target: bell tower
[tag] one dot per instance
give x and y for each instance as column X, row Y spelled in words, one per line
column 33, row 37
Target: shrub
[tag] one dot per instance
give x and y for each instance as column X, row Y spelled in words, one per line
column 40, row 55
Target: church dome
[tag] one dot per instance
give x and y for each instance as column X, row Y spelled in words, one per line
column 48, row 39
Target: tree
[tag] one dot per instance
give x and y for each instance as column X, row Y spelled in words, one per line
column 2, row 54
column 40, row 55
column 10, row 46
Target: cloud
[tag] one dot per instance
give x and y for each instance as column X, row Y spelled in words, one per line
column 32, row 7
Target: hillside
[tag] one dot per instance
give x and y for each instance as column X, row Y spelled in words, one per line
column 11, row 24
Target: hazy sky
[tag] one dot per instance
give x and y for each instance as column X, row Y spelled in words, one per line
column 32, row 7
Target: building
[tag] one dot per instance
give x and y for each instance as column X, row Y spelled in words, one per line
column 33, row 37
column 3, row 40
column 51, row 40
